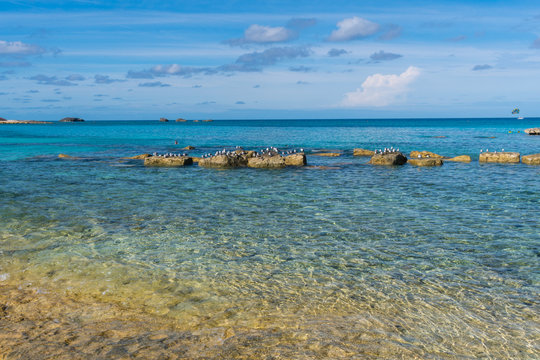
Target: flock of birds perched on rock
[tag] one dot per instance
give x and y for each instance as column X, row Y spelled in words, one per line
column 385, row 151
column 169, row 155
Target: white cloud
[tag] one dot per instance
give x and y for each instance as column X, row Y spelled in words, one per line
column 353, row 28
column 381, row 90
column 17, row 48
column 266, row 34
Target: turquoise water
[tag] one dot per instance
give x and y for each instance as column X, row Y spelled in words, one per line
column 395, row 261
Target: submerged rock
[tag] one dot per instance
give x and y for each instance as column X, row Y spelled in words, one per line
column 388, row 159
column 267, row 162
column 426, row 161
column 424, row 154
column 533, row 131
column 461, row 158
column 533, row 159
column 71, row 119
column 330, row 154
column 499, row 157
column 65, row 156
column 189, row 147
column 363, row 152
column 139, row 157
column 174, row 161
column 298, row 159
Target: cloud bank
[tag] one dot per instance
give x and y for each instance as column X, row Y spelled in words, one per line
column 384, row 56
column 381, row 90
column 482, row 67
column 353, row 28
column 17, row 48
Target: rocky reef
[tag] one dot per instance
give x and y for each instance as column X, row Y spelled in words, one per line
column 163, row 119
column 168, row 161
column 390, row 158
column 499, row 157
column 224, row 161
column 24, row 122
column 533, row 159
column 363, row 152
column 533, row 131
column 424, row 154
column 460, row 158
column 425, row 161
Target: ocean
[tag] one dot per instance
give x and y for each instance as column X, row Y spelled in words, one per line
column 102, row 257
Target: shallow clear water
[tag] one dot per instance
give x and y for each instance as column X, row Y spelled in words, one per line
column 425, row 262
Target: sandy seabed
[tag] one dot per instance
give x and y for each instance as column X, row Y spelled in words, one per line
column 36, row 324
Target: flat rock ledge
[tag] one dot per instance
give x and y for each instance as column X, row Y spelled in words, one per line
column 388, row 159
column 363, row 152
column 425, row 161
column 499, row 157
column 267, row 162
column 533, row 131
column 175, row 161
column 249, row 160
column 533, row 159
column 460, row 158
column 424, row 154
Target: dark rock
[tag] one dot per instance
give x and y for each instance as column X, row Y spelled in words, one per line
column 388, row 159
column 533, row 131
column 163, row 119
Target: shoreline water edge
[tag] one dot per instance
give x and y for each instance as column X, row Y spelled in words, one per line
column 239, row 240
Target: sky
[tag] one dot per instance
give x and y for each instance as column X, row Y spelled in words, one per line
column 247, row 59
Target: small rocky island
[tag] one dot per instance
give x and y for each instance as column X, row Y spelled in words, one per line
column 71, row 119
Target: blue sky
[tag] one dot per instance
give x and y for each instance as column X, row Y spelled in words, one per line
column 268, row 59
